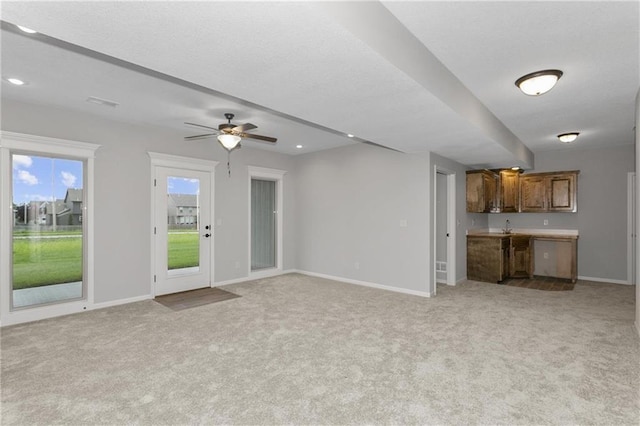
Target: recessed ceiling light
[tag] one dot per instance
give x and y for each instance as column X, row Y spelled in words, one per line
column 100, row 101
column 538, row 82
column 26, row 30
column 349, row 135
column 568, row 137
column 299, row 146
column 15, row 81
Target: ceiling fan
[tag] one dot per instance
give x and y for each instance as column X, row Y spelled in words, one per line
column 229, row 134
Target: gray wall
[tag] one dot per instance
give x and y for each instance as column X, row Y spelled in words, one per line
column 351, row 203
column 601, row 219
column 122, row 178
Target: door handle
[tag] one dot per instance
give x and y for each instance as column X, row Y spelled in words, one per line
column 207, row 235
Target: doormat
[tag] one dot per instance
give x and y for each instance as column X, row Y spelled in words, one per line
column 541, row 283
column 193, row 298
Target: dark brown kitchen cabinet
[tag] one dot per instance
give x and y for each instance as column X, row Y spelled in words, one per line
column 509, row 191
column 482, row 191
column 487, row 258
column 520, row 258
column 549, row 192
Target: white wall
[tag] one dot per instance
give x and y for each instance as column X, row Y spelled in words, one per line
column 122, row 194
column 601, row 219
column 351, row 203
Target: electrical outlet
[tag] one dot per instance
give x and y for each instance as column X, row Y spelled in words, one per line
column 403, row 223
column 546, row 222
column 356, row 265
column 545, row 255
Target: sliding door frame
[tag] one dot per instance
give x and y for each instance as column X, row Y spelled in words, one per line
column 43, row 146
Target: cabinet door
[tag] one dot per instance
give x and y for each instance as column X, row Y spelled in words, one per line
column 562, row 193
column 533, row 190
column 475, row 193
column 520, row 257
column 482, row 188
column 509, row 191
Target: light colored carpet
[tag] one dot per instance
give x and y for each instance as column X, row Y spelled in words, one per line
column 301, row 350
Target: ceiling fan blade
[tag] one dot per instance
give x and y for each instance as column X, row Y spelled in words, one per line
column 200, row 126
column 259, row 137
column 196, row 137
column 244, row 127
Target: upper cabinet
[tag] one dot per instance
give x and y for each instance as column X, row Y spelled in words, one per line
column 482, row 191
column 549, row 192
column 509, row 191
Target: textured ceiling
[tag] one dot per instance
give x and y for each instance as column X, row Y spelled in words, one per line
column 413, row 76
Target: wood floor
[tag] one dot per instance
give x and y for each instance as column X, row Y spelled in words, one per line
column 541, row 283
column 193, row 298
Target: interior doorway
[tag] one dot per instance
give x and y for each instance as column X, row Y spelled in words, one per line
column 631, row 228
column 444, row 228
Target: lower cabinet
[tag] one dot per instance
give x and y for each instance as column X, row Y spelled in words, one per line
column 487, row 258
column 494, row 258
column 520, row 258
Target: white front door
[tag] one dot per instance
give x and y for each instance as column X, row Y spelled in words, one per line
column 182, row 230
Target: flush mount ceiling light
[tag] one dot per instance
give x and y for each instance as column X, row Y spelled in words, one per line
column 299, row 146
column 350, row 135
column 568, row 137
column 538, row 82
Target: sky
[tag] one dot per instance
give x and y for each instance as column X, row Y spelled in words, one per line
column 182, row 185
column 41, row 178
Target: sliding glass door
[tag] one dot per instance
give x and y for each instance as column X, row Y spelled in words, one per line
column 47, row 232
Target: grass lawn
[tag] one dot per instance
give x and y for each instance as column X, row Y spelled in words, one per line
column 45, row 261
column 184, row 249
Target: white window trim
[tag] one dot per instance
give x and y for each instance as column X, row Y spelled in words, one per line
column 277, row 176
column 40, row 145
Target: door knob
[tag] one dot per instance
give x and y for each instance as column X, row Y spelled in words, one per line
column 207, row 235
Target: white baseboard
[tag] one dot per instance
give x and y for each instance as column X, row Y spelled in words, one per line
column 461, row 280
column 366, row 284
column 604, row 280
column 273, row 273
column 110, row 303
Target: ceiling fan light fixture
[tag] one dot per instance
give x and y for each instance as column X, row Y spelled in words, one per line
column 229, row 142
column 568, row 137
column 539, row 82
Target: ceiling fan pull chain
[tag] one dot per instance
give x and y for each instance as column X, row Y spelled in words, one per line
column 229, row 162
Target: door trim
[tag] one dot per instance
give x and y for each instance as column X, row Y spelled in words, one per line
column 451, row 226
column 631, row 228
column 178, row 162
